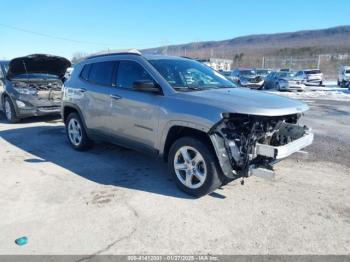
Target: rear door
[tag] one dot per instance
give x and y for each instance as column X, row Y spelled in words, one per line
column 97, row 91
column 134, row 113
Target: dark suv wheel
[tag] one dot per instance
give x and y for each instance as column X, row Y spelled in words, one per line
column 194, row 166
column 76, row 133
column 10, row 111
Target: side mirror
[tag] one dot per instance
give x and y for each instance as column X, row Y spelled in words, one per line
column 146, row 85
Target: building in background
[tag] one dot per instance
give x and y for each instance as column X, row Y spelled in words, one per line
column 219, row 63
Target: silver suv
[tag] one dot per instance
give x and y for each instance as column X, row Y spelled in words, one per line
column 208, row 130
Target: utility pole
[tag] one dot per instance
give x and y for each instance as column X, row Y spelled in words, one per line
column 263, row 62
column 319, row 62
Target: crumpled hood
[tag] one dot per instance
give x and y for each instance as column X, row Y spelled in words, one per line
column 246, row 101
column 40, row 64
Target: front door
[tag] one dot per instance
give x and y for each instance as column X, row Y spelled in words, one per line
column 134, row 114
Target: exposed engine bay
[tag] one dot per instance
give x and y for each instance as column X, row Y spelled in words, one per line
column 242, row 141
column 46, row 89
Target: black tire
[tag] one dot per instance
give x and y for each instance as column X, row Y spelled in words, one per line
column 85, row 143
column 12, row 116
column 278, row 88
column 212, row 180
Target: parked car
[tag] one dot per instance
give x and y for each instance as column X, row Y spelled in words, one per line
column 209, row 131
column 311, row 76
column 286, row 70
column 226, row 73
column 247, row 78
column 284, row 81
column 344, row 76
column 33, row 86
column 262, row 72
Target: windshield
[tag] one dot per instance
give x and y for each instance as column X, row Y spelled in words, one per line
column 286, row 75
column 312, row 72
column 185, row 75
column 248, row 73
column 263, row 72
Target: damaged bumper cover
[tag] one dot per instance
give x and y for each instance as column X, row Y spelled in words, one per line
column 250, row 145
column 280, row 152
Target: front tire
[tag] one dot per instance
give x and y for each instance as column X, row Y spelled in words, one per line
column 194, row 167
column 10, row 111
column 278, row 87
column 76, row 133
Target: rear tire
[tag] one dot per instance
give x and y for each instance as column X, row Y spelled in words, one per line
column 10, row 112
column 76, row 133
column 194, row 167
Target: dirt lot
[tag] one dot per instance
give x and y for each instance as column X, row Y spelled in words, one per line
column 112, row 200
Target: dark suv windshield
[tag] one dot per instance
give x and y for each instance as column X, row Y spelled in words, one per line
column 184, row 75
column 313, row 72
column 248, row 73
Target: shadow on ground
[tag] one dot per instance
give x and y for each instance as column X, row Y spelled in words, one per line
column 104, row 164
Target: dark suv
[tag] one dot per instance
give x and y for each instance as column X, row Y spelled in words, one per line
column 32, row 86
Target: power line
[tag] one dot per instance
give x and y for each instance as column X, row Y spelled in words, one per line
column 53, row 37
column 66, row 39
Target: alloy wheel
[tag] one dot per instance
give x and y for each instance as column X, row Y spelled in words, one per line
column 190, row 167
column 75, row 132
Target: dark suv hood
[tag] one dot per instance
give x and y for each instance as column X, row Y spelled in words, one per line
column 40, row 64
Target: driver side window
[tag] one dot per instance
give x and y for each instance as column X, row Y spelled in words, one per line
column 129, row 72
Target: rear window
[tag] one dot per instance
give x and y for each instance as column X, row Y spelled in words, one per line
column 347, row 71
column 102, row 73
column 313, row 72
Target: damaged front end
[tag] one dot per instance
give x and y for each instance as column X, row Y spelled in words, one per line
column 250, row 145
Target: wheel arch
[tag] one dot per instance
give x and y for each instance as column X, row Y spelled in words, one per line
column 177, row 131
column 71, row 108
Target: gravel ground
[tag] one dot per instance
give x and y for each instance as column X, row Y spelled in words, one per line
column 112, row 200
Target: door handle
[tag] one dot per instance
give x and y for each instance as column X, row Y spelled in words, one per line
column 116, row 97
column 82, row 90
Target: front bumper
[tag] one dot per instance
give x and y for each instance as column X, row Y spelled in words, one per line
column 39, row 111
column 279, row 152
column 292, row 86
column 252, row 85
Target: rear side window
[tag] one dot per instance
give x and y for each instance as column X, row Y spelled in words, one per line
column 102, row 73
column 85, row 72
column 129, row 72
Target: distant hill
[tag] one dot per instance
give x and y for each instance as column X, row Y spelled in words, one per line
column 307, row 42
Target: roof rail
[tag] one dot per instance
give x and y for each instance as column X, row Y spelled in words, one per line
column 115, row 52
